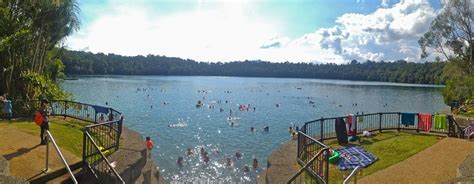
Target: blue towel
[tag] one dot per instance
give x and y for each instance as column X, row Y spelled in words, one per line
column 408, row 119
column 354, row 156
column 99, row 109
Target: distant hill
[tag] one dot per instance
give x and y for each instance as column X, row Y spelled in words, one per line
column 79, row 62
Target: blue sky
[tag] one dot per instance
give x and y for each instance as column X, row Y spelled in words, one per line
column 275, row 30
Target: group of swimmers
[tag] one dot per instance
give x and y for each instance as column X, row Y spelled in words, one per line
column 228, row 162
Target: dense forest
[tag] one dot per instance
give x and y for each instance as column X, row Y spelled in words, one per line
column 30, row 35
column 79, row 62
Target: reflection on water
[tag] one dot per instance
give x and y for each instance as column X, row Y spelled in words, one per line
column 164, row 108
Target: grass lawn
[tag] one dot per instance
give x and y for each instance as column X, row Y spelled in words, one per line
column 67, row 133
column 389, row 147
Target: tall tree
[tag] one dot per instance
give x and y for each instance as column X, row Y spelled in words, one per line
column 30, row 34
column 451, row 34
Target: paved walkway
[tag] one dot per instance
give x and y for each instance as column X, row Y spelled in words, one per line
column 281, row 165
column 26, row 157
column 435, row 164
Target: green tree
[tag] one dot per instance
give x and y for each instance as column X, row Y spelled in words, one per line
column 451, row 34
column 31, row 32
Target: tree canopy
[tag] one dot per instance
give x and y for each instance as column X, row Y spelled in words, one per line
column 79, row 62
column 30, row 33
column 451, row 35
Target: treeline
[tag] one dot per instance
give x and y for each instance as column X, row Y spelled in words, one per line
column 79, row 62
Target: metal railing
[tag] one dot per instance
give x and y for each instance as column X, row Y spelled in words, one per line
column 49, row 138
column 324, row 128
column 104, row 132
column 97, row 162
column 313, row 133
column 314, row 157
column 81, row 111
column 353, row 175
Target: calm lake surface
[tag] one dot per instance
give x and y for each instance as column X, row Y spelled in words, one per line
column 152, row 103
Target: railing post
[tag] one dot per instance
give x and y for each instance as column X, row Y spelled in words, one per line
column 418, row 124
column 119, row 132
column 84, row 153
column 322, row 126
column 399, row 121
column 297, row 147
column 354, row 121
column 380, row 122
column 46, row 168
column 326, row 171
column 65, row 108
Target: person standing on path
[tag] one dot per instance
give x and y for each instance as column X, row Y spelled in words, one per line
column 7, row 106
column 45, row 124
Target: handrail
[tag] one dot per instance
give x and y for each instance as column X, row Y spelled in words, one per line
column 453, row 119
column 103, row 157
column 50, row 137
column 307, row 165
column 353, row 174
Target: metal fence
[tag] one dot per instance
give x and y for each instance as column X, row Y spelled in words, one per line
column 96, row 161
column 100, row 139
column 314, row 157
column 312, row 154
column 324, row 128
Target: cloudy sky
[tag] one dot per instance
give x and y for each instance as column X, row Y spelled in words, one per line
column 335, row 31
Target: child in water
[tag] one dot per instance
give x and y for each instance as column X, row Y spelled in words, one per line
column 255, row 164
column 149, row 145
column 180, row 162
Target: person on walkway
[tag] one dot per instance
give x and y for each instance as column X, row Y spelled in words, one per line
column 149, row 146
column 45, row 124
column 7, row 107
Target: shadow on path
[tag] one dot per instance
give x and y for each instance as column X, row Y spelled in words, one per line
column 19, row 152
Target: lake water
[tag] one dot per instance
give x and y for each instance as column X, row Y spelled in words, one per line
column 152, row 103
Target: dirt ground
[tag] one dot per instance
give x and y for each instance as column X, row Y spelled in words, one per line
column 435, row 164
column 26, row 157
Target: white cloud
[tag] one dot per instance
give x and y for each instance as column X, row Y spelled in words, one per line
column 227, row 34
column 387, row 34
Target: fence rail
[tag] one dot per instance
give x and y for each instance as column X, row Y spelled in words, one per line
column 97, row 162
column 100, row 139
column 312, row 134
column 313, row 156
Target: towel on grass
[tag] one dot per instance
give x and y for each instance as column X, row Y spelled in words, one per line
column 351, row 157
column 408, row 119
column 440, row 121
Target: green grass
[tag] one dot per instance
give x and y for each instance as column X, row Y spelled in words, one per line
column 389, row 147
column 67, row 133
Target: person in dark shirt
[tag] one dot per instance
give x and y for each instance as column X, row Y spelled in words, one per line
column 45, row 125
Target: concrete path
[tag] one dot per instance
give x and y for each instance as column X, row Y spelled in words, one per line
column 435, row 164
column 26, row 157
column 282, row 165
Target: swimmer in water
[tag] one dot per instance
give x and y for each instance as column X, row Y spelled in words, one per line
column 238, row 155
column 228, row 162
column 246, row 169
column 202, row 152
column 252, row 129
column 266, row 128
column 206, row 157
column 255, row 164
column 180, row 162
column 190, row 152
